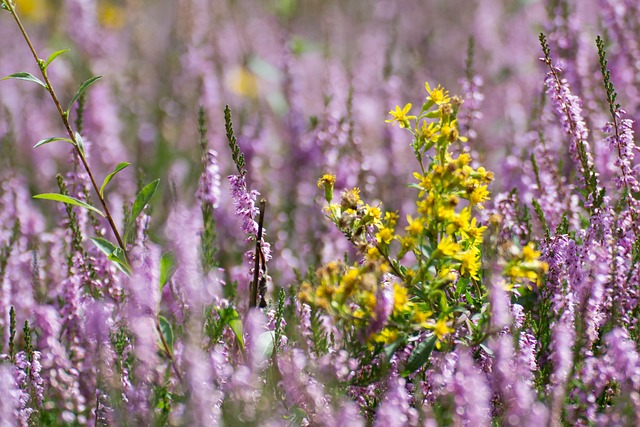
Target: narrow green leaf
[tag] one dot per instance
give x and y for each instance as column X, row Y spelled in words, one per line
column 231, row 317
column 26, row 76
column 48, row 140
column 68, row 200
column 104, row 245
column 80, row 143
column 390, row 349
column 167, row 332
column 139, row 203
column 120, row 260
column 111, row 175
column 236, row 327
column 167, row 268
column 53, row 56
column 420, row 355
column 84, row 86
column 113, row 253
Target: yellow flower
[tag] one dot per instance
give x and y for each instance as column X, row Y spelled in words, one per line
column 348, row 282
column 385, row 235
column 425, row 183
column 529, row 253
column 400, row 298
column 470, row 262
column 426, row 131
column 415, row 226
column 391, row 218
column 448, row 247
column 459, row 221
column 478, row 195
column 327, row 182
column 373, row 214
column 441, row 329
column 243, row 82
column 111, row 15
column 327, row 178
column 474, row 233
column 400, row 116
column 387, row 336
column 438, row 95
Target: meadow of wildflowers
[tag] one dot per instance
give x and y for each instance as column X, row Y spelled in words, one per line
column 319, row 213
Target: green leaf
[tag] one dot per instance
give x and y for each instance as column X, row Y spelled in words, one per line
column 48, row 140
column 139, row 203
column 68, row 200
column 119, row 258
column 167, row 332
column 84, row 86
column 167, row 268
column 420, row 355
column 104, row 245
column 53, row 56
column 26, row 76
column 111, row 175
column 113, row 253
column 80, row 143
column 390, row 349
column 231, row 317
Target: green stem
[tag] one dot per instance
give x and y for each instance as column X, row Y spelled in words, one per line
column 67, row 125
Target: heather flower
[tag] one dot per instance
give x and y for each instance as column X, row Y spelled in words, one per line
column 568, row 110
column 395, row 409
column 471, row 393
column 247, row 211
column 10, row 402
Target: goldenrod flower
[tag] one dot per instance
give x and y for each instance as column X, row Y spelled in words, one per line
column 327, row 182
column 438, row 95
column 448, row 247
column 470, row 262
column 400, row 116
column 415, row 226
column 385, row 235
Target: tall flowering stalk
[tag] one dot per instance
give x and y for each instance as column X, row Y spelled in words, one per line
column 567, row 108
column 247, row 212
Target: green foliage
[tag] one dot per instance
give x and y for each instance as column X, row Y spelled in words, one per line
column 12, row 332
column 420, row 355
column 167, row 332
column 236, row 153
column 52, row 139
column 208, row 246
column 52, row 57
column 109, row 177
column 27, row 77
column 83, row 87
column 68, row 200
column 142, row 199
column 113, row 253
column 168, row 266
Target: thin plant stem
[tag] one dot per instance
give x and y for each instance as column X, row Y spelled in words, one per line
column 253, row 298
column 67, row 125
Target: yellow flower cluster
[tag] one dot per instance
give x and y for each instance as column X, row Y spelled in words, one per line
column 443, row 276
column 525, row 268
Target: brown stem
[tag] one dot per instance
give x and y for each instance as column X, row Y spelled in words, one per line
column 65, row 121
column 253, row 297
